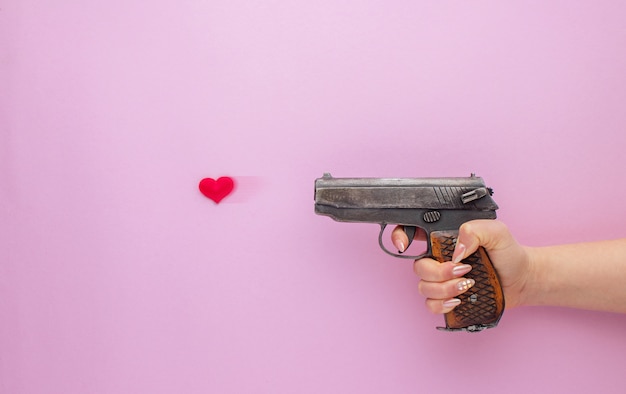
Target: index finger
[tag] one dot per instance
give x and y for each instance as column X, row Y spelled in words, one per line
column 401, row 240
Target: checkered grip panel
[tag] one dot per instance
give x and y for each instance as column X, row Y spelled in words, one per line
column 482, row 305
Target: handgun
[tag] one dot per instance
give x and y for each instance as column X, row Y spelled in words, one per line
column 437, row 206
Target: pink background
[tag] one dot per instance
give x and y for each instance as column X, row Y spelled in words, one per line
column 118, row 276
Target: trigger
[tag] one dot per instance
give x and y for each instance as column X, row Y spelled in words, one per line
column 410, row 233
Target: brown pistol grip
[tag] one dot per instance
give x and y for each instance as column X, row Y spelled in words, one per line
column 483, row 304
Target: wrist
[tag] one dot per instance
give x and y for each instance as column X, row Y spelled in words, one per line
column 533, row 290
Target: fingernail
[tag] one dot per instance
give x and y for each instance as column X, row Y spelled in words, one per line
column 399, row 245
column 461, row 270
column 465, row 284
column 451, row 303
column 459, row 253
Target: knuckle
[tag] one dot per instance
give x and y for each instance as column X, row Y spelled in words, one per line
column 433, row 306
column 437, row 290
column 431, row 270
column 417, row 267
column 467, row 231
column 420, row 288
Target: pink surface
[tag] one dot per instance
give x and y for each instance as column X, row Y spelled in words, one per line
column 118, row 276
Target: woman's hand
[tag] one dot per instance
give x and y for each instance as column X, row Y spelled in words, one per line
column 441, row 283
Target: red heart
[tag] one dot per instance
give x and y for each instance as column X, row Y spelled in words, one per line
column 217, row 190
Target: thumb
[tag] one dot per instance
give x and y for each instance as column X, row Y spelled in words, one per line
column 490, row 234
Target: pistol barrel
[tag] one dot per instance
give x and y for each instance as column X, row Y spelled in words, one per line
column 468, row 193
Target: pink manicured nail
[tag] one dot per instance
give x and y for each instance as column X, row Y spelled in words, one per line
column 451, row 303
column 461, row 270
column 459, row 253
column 465, row 284
column 399, row 245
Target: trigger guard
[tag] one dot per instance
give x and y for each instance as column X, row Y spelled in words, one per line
column 402, row 256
